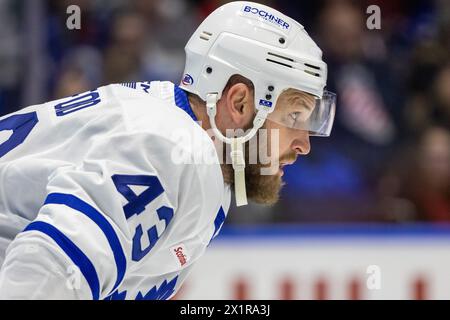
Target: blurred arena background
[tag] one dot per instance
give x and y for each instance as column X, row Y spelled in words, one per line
column 372, row 200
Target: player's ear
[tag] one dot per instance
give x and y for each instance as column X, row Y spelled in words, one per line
column 240, row 105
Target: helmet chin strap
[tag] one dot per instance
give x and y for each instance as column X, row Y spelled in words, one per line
column 237, row 146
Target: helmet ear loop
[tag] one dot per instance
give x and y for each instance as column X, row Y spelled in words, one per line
column 237, row 146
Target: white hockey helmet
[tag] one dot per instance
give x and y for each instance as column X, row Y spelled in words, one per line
column 270, row 49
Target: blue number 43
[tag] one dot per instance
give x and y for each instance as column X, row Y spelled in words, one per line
column 136, row 205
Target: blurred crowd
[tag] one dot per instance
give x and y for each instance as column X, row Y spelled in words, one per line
column 388, row 159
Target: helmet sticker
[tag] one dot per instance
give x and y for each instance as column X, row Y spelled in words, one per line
column 187, row 80
column 265, row 15
column 265, row 103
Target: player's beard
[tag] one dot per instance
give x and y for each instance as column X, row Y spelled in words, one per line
column 261, row 189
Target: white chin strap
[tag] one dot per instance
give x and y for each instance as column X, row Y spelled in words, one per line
column 237, row 146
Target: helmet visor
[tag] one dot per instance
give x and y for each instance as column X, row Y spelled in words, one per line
column 305, row 112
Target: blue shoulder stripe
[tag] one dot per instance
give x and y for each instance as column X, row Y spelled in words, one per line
column 218, row 221
column 79, row 205
column 182, row 101
column 75, row 254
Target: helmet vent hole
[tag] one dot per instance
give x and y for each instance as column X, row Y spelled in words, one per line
column 282, row 40
column 209, row 70
column 205, row 35
column 312, row 73
column 280, row 56
column 280, row 63
column 312, row 66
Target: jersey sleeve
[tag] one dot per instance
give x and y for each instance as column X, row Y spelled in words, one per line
column 101, row 217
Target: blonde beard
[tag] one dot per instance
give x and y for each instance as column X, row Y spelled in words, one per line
column 261, row 189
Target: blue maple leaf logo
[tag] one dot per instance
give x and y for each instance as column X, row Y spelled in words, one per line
column 116, row 295
column 165, row 290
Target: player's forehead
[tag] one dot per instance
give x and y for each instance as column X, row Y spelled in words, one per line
column 291, row 98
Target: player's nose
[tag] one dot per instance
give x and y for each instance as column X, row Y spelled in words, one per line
column 301, row 144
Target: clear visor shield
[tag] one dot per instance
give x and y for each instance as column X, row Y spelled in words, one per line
column 305, row 112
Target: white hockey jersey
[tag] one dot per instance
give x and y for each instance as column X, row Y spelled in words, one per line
column 94, row 194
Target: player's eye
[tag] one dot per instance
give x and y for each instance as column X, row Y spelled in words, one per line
column 293, row 116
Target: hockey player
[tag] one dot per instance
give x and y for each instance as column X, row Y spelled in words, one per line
column 115, row 193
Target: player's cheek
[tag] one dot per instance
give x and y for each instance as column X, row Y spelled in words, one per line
column 284, row 141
